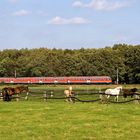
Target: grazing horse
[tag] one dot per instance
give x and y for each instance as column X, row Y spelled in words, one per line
column 68, row 94
column 129, row 92
column 7, row 92
column 114, row 92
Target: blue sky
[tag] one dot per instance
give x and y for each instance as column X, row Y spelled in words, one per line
column 68, row 24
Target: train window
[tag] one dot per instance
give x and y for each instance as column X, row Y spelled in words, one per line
column 11, row 81
column 88, row 81
column 55, row 81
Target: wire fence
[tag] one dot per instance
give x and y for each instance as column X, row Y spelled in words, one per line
column 83, row 96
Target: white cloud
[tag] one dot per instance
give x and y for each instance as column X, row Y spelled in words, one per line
column 78, row 4
column 21, row 13
column 76, row 20
column 105, row 5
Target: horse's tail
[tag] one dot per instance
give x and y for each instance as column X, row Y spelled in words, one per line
column 4, row 91
column 5, row 94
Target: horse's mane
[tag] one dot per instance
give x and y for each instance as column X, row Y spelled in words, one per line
column 21, row 88
column 134, row 89
column 119, row 87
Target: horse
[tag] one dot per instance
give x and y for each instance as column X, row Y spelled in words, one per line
column 20, row 89
column 129, row 92
column 114, row 92
column 69, row 94
column 8, row 92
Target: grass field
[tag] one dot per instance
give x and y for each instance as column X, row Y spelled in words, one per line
column 34, row 120
column 59, row 120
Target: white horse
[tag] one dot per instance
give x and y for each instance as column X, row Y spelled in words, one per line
column 114, row 92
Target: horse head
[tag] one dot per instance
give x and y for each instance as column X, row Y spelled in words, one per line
column 134, row 90
column 21, row 88
column 119, row 88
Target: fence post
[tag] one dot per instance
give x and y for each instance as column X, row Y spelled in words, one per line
column 136, row 96
column 17, row 98
column 103, row 98
column 45, row 97
column 51, row 95
column 1, row 97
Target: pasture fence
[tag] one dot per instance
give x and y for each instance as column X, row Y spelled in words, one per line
column 92, row 96
column 95, row 100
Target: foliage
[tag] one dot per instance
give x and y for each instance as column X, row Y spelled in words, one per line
column 82, row 62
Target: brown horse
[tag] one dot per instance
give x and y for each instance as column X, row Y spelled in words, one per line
column 69, row 94
column 129, row 92
column 8, row 92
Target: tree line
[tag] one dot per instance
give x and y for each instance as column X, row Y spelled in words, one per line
column 78, row 62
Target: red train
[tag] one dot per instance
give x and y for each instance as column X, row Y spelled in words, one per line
column 58, row 80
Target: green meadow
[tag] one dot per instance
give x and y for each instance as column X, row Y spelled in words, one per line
column 60, row 120
column 30, row 120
